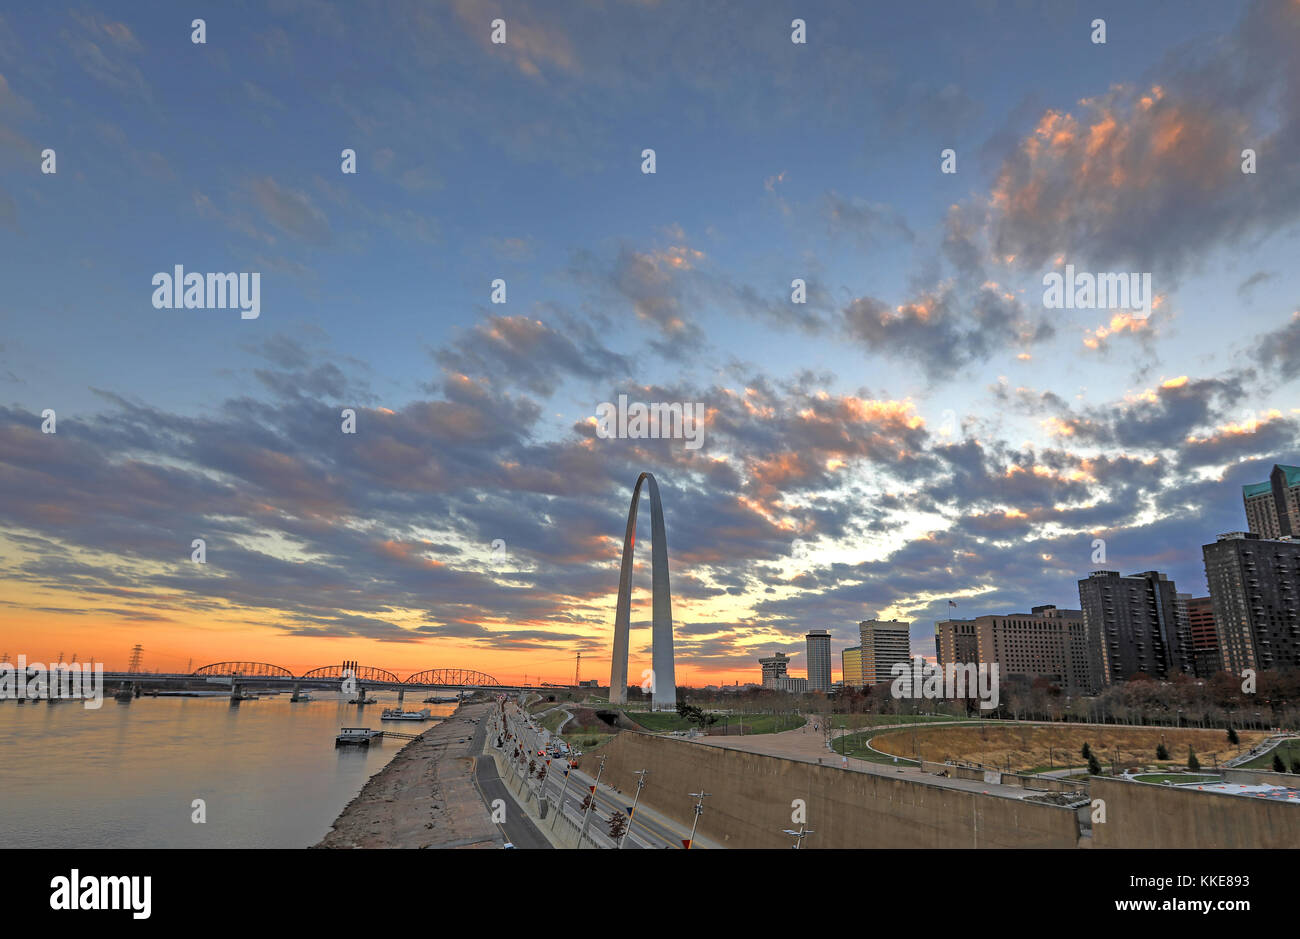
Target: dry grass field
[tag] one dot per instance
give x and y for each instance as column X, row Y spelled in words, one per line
column 1026, row 745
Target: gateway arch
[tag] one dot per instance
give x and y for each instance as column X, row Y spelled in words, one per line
column 665, row 683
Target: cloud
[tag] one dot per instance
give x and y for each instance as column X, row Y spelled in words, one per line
column 1148, row 176
column 290, row 210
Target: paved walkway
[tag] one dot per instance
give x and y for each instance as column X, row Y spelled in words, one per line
column 809, row 746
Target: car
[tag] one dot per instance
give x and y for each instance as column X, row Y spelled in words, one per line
column 507, row 845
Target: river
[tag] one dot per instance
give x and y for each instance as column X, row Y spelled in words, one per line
column 126, row 775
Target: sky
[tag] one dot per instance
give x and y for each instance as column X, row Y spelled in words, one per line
column 924, row 428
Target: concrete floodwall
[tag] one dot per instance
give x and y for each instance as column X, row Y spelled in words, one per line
column 1255, row 777
column 752, row 798
column 1151, row 815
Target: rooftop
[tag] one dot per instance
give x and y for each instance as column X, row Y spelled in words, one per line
column 1256, row 489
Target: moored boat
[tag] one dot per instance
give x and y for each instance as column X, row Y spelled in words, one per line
column 397, row 714
column 357, row 736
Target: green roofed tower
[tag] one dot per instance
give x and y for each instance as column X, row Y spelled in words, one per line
column 1273, row 506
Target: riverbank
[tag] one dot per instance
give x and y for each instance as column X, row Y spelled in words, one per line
column 425, row 797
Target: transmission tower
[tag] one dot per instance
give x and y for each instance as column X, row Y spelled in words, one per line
column 136, row 653
column 577, row 671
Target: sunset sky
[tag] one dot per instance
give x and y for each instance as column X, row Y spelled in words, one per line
column 922, row 429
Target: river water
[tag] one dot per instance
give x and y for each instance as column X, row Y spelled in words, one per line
column 126, row 775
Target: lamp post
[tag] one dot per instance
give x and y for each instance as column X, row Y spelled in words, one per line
column 798, row 835
column 563, row 789
column 640, row 784
column 591, row 803
column 699, row 810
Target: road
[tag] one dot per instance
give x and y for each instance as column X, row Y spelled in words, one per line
column 645, row 832
column 518, row 828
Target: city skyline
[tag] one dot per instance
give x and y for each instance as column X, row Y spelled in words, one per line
column 924, row 429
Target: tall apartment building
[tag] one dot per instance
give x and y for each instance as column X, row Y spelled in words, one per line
column 1133, row 626
column 1197, row 616
column 774, row 667
column 851, row 667
column 884, row 644
column 1273, row 506
column 955, row 641
column 1255, row 592
column 819, row 660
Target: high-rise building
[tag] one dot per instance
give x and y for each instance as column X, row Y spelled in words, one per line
column 1132, row 626
column 1197, row 615
column 884, row 644
column 1273, row 506
column 1255, row 592
column 792, row 685
column 955, row 641
column 819, row 660
column 774, row 667
column 851, row 667
column 1043, row 643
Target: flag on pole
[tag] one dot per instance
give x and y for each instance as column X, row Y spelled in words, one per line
column 629, row 811
column 686, row 843
column 592, row 788
column 952, row 604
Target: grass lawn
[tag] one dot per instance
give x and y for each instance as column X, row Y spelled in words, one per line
column 1175, row 778
column 1022, row 746
column 553, row 720
column 660, row 721
column 1288, row 749
column 856, row 745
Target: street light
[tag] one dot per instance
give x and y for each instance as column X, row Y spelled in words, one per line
column 798, row 835
column 591, row 803
column 640, row 784
column 699, row 810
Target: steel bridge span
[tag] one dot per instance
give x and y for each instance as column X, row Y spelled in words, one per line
column 364, row 675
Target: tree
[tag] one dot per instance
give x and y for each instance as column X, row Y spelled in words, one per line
column 586, row 803
column 1232, row 736
column 1278, row 765
column 1094, row 765
column 617, row 825
column 1086, row 752
column 1162, row 753
column 1295, row 766
column 1192, row 762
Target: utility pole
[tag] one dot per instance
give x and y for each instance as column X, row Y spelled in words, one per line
column 640, row 784
column 699, row 810
column 591, row 804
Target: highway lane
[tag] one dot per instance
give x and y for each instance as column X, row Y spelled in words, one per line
column 644, row 831
column 518, row 828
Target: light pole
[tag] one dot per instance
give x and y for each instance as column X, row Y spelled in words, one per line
column 699, row 810
column 798, row 835
column 640, row 784
column 591, row 803
column 563, row 790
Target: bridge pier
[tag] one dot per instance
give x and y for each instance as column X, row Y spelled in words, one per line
column 401, row 695
column 297, row 686
column 236, row 691
column 135, row 689
column 361, row 695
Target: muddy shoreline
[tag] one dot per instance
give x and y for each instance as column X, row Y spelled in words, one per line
column 425, row 797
